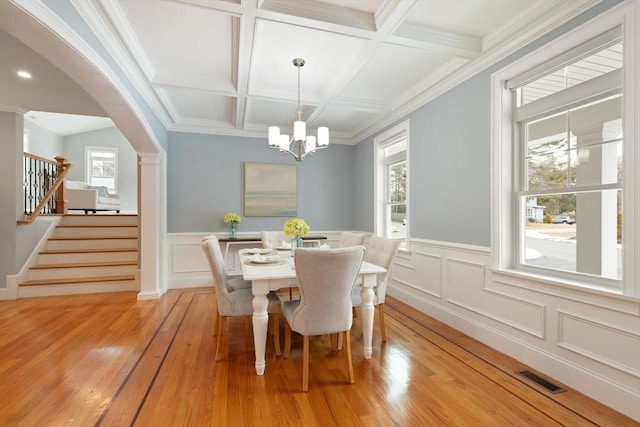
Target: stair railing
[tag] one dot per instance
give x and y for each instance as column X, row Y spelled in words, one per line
column 43, row 186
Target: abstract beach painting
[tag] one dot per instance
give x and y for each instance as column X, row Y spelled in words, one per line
column 270, row 189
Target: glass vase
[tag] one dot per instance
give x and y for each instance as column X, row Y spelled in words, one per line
column 233, row 231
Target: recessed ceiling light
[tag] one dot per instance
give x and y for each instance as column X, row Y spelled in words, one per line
column 24, row 74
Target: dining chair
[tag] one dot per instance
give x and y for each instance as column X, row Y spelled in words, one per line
column 272, row 239
column 348, row 238
column 232, row 283
column 380, row 251
column 325, row 278
column 236, row 302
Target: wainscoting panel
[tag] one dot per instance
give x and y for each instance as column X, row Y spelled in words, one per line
column 603, row 343
column 428, row 267
column 587, row 340
column 189, row 258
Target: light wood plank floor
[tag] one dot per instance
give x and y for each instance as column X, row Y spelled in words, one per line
column 110, row 360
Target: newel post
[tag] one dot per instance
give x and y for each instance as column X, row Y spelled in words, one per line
column 61, row 203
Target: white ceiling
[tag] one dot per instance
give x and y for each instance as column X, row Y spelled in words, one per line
column 225, row 66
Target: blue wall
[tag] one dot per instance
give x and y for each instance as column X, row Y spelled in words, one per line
column 205, row 179
column 450, row 157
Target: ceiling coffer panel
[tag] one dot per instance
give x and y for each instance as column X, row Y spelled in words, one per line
column 329, row 58
column 197, row 105
column 186, row 45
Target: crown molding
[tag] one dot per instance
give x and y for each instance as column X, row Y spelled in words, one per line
column 542, row 22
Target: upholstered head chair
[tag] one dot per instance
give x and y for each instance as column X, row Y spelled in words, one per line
column 325, row 279
column 232, row 283
column 237, row 302
column 272, row 239
column 348, row 238
column 380, row 251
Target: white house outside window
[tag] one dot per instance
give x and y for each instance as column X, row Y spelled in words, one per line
column 102, row 167
column 561, row 191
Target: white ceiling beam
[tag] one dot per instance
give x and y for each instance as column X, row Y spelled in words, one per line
column 324, row 12
column 437, row 41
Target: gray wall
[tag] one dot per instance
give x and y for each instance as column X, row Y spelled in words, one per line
column 43, row 142
column 11, row 208
column 205, row 179
column 450, row 158
column 127, row 161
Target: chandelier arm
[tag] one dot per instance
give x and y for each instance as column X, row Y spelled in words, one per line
column 299, row 145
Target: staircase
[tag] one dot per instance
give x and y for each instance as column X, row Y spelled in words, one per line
column 86, row 254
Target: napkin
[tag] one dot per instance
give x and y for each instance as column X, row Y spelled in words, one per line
column 264, row 258
column 285, row 244
column 259, row 251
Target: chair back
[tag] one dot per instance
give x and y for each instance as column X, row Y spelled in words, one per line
column 350, row 239
column 272, row 239
column 325, row 279
column 381, row 251
column 211, row 248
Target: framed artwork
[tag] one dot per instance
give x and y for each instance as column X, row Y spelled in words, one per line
column 270, row 189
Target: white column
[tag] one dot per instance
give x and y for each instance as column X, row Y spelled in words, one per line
column 596, row 213
column 150, row 220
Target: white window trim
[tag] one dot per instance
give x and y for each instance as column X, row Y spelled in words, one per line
column 87, row 163
column 503, row 215
column 399, row 131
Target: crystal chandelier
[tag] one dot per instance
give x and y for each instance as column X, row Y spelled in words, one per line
column 300, row 144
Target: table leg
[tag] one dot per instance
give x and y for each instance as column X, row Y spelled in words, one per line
column 260, row 324
column 366, row 311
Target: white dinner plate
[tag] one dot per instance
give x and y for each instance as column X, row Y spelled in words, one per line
column 284, row 248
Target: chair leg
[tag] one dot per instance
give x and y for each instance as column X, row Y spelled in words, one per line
column 221, row 321
column 340, row 340
column 305, row 363
column 276, row 332
column 355, row 312
column 216, row 326
column 347, row 338
column 287, row 340
column 383, row 331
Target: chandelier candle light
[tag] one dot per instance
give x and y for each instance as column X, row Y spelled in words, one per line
column 300, row 144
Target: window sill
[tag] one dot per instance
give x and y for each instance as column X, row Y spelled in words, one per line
column 559, row 286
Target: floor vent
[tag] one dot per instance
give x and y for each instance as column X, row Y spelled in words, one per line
column 541, row 381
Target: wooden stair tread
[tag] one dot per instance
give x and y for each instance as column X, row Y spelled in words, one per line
column 90, row 238
column 84, row 251
column 97, row 215
column 84, row 264
column 96, row 226
column 77, row 280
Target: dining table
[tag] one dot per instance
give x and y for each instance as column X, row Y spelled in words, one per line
column 279, row 273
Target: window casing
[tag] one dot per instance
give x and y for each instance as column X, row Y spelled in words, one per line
column 392, row 183
column 568, row 154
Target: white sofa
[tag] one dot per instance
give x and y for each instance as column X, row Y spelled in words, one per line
column 80, row 196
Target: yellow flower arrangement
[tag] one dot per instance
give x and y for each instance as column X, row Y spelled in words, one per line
column 232, row 218
column 296, row 227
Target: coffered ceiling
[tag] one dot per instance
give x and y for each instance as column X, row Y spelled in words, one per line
column 225, row 66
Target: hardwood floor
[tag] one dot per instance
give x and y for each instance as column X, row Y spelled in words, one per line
column 110, row 360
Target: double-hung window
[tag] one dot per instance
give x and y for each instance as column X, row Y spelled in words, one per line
column 561, row 197
column 392, row 180
column 102, row 167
